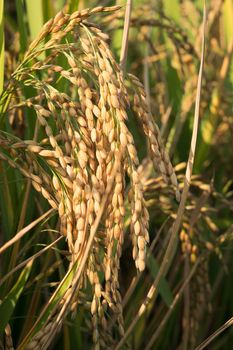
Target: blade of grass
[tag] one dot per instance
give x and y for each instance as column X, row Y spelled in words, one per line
column 176, row 226
column 25, row 230
column 6, row 202
column 50, row 306
column 8, row 305
column 48, row 10
column 35, row 17
column 163, row 287
column 31, row 258
column 21, row 25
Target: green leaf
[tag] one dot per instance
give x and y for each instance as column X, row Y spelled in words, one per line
column 53, row 302
column 35, row 17
column 6, row 203
column 8, row 305
column 48, row 10
column 22, row 27
column 163, row 287
column 73, row 5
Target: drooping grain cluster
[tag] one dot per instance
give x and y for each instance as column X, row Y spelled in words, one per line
column 80, row 134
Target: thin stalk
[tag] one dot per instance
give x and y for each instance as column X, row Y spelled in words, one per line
column 33, row 257
column 125, row 38
column 146, row 77
column 24, row 231
column 221, row 329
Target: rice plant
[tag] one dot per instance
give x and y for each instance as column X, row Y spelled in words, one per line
column 105, row 244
